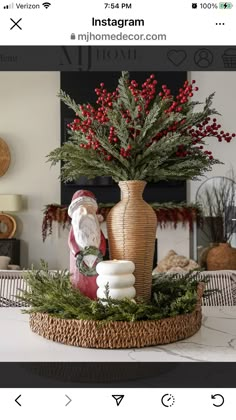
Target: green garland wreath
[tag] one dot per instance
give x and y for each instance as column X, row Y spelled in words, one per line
column 80, row 264
column 53, row 293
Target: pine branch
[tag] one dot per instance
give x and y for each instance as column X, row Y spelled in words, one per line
column 79, row 162
column 126, row 99
column 52, row 293
column 69, row 102
column 120, row 126
column 154, row 140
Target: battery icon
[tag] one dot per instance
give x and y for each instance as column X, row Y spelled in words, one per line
column 225, row 5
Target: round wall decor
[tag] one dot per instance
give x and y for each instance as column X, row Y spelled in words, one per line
column 5, row 157
column 9, row 225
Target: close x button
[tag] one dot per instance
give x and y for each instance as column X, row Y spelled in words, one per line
column 16, row 24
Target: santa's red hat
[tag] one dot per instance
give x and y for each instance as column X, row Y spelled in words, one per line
column 81, row 198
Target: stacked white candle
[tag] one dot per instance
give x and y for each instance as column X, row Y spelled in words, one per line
column 118, row 275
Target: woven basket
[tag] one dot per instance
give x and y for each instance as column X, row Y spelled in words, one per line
column 119, row 334
column 131, row 228
column 221, row 257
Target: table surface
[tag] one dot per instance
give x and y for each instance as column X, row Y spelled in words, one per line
column 215, row 341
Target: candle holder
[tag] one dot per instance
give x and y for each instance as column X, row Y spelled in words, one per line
column 116, row 277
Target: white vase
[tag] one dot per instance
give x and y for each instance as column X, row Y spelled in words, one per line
column 4, row 261
column 118, row 275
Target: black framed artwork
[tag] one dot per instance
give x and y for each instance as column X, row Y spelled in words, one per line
column 80, row 86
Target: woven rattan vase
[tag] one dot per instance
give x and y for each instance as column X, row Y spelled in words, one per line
column 131, row 227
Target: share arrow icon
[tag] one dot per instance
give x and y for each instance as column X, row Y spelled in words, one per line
column 118, row 399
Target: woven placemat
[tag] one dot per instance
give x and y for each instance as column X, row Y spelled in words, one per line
column 117, row 334
column 5, row 157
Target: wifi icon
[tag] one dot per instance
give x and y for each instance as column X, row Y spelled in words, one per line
column 46, row 5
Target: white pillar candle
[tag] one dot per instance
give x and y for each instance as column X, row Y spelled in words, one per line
column 118, row 275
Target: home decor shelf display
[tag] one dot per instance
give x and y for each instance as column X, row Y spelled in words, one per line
column 166, row 213
column 61, row 313
column 135, row 135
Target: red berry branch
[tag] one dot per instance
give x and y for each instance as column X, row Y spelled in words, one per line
column 126, row 133
column 106, row 101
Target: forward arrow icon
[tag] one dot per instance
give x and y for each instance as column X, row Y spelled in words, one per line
column 69, row 400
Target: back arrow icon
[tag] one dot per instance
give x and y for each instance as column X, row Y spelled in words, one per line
column 16, row 400
column 221, row 402
column 68, row 401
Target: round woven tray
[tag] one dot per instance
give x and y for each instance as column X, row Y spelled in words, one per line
column 118, row 334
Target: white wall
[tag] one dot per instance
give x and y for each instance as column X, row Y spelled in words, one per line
column 224, row 84
column 30, row 124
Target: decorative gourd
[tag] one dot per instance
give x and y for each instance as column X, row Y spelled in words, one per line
column 118, row 275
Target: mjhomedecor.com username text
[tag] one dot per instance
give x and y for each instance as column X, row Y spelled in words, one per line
column 91, row 36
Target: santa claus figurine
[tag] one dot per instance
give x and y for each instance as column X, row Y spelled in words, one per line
column 86, row 242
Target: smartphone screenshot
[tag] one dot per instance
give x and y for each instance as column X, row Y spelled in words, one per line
column 117, row 209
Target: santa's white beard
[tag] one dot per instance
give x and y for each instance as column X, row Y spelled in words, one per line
column 87, row 233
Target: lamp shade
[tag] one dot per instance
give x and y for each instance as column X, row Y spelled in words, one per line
column 10, row 202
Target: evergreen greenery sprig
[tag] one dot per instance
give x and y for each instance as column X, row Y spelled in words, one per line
column 52, row 293
column 136, row 133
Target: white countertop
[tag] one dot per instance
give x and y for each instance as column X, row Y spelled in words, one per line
column 215, row 341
